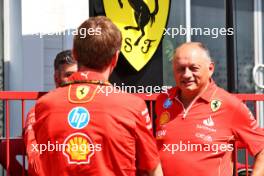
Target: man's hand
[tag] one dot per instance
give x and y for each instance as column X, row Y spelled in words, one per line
column 259, row 164
column 157, row 171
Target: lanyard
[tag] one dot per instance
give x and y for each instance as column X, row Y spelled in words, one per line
column 98, row 82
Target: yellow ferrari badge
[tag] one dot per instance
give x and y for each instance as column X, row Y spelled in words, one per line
column 215, row 105
column 142, row 24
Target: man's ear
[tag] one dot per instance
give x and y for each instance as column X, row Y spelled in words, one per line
column 115, row 59
column 56, row 77
column 211, row 68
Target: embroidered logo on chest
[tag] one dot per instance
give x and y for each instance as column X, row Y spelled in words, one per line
column 215, row 105
column 207, row 124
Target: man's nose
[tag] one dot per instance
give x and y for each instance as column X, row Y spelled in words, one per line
column 187, row 73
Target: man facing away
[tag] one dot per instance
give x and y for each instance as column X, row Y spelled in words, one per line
column 198, row 122
column 93, row 133
column 64, row 66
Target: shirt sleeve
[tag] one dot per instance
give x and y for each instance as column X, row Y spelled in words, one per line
column 29, row 134
column 246, row 129
column 147, row 157
column 160, row 130
column 34, row 166
column 146, row 117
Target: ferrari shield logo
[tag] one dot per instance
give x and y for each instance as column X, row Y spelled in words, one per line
column 142, row 24
column 82, row 91
column 215, row 105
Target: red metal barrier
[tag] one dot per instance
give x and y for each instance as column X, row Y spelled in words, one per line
column 8, row 157
column 10, row 147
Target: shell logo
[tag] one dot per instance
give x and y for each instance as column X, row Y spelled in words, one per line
column 78, row 149
column 164, row 118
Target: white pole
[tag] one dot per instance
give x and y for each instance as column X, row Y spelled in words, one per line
column 258, row 50
column 188, row 20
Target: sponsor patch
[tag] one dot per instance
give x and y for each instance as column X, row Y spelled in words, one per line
column 160, row 134
column 167, row 103
column 164, row 118
column 81, row 93
column 78, row 117
column 79, row 148
column 208, row 122
column 205, row 137
column 215, row 105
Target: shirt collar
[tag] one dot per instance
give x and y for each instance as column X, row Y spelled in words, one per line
column 207, row 95
column 210, row 91
column 86, row 76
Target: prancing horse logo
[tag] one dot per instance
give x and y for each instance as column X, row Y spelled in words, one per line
column 142, row 24
column 215, row 105
column 142, row 15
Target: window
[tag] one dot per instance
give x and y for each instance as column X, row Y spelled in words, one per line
column 176, row 19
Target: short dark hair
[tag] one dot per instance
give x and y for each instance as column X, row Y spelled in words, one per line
column 64, row 57
column 96, row 50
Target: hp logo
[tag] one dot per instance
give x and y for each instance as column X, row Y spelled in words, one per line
column 78, row 117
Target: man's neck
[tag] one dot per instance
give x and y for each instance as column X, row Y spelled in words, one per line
column 186, row 99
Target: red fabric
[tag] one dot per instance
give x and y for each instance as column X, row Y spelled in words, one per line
column 117, row 126
column 34, row 165
column 208, row 129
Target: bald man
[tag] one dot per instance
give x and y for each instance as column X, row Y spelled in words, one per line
column 198, row 122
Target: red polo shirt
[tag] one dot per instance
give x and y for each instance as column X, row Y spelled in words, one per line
column 103, row 134
column 199, row 140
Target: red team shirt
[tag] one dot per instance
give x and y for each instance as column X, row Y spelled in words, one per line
column 199, row 140
column 102, row 134
column 34, row 166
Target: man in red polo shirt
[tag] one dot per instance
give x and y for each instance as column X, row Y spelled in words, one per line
column 64, row 66
column 84, row 128
column 197, row 122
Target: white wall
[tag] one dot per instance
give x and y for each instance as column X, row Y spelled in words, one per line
column 13, row 45
column 48, row 17
column 29, row 57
